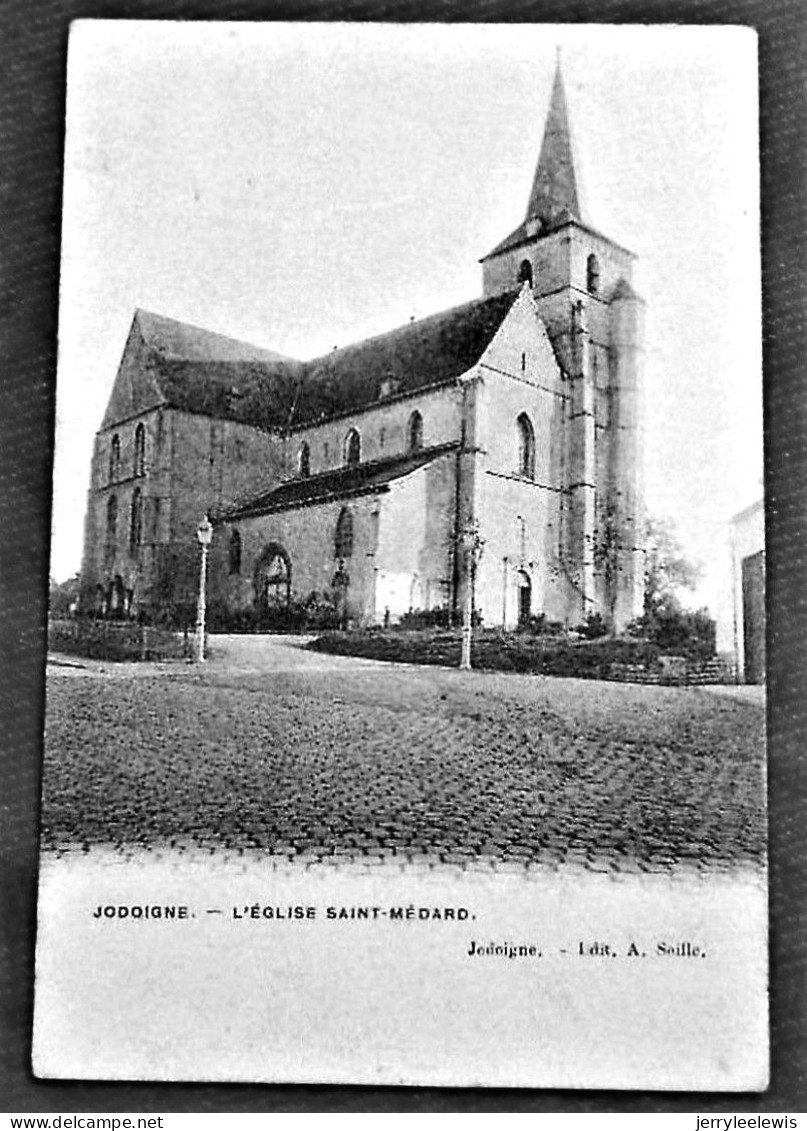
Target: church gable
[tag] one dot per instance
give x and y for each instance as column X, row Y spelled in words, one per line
column 135, row 389
column 521, row 347
column 176, row 365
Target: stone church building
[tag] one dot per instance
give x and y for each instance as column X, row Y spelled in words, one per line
column 508, row 424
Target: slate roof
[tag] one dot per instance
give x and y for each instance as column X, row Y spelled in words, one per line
column 192, row 343
column 433, row 351
column 520, row 235
column 256, row 393
column 202, row 372
column 554, row 198
column 554, row 187
column 341, row 483
column 196, row 371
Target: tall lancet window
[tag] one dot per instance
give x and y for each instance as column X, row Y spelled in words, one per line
column 415, row 439
column 305, row 460
column 235, row 552
column 592, row 275
column 140, row 450
column 114, row 458
column 525, row 272
column 352, row 448
column 343, row 536
column 526, row 447
column 111, row 530
column 136, row 524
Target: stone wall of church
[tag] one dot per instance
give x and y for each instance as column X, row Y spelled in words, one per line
column 190, row 465
column 414, row 558
column 519, row 508
column 130, row 475
column 519, row 514
column 382, row 427
column 307, row 536
column 214, row 464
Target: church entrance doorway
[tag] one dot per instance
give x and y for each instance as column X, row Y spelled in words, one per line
column 273, row 579
column 524, row 598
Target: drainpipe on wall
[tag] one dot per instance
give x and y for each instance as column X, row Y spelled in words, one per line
column 504, row 592
column 455, row 563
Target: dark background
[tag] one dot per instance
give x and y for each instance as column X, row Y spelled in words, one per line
column 33, row 44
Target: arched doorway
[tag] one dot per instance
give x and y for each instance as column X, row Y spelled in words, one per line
column 524, row 597
column 273, row 579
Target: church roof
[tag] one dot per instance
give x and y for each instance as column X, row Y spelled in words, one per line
column 207, row 373
column 184, row 367
column 174, row 364
column 192, row 343
column 341, row 483
column 250, row 392
column 554, row 199
column 432, row 351
column 554, row 188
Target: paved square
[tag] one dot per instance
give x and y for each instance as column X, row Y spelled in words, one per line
column 272, row 748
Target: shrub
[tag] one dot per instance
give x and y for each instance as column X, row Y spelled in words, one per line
column 315, row 613
column 594, row 627
column 426, row 618
column 113, row 640
column 678, row 631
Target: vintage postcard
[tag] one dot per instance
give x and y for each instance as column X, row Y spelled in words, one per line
column 406, row 682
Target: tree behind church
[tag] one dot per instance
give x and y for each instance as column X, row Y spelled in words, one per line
column 669, row 575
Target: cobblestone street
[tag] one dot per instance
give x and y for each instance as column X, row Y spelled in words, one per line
column 313, row 757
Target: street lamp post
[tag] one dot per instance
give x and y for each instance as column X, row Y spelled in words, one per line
column 472, row 546
column 204, row 534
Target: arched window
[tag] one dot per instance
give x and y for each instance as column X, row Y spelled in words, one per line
column 415, row 432
column 140, row 450
column 111, row 529
column 305, row 460
column 114, row 458
column 352, row 448
column 136, row 524
column 235, row 552
column 343, row 538
column 525, row 272
column 592, row 275
column 526, row 447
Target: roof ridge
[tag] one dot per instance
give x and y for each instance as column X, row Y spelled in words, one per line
column 406, row 326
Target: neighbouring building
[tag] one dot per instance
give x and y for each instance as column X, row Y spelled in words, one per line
column 748, row 592
column 511, row 421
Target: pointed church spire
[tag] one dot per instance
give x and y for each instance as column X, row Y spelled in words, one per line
column 554, row 189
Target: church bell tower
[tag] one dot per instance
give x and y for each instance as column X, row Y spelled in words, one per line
column 581, row 281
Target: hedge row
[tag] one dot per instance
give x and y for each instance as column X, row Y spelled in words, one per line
column 114, row 640
column 626, row 659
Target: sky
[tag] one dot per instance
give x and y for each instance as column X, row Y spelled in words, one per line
column 304, row 186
